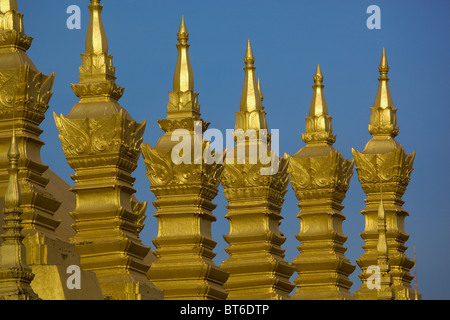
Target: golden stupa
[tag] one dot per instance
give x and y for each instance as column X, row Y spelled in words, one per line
column 48, row 228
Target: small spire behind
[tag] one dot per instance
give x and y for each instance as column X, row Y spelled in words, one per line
column 183, row 79
column 260, row 92
column 385, row 291
column 12, row 195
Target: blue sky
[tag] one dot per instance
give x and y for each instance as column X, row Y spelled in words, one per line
column 289, row 39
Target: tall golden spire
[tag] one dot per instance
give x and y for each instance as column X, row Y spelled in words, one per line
column 102, row 143
column 185, row 190
column 97, row 74
column 384, row 161
column 318, row 124
column 96, row 41
column 183, row 100
column 385, row 291
column 183, row 79
column 15, row 275
column 251, row 114
column 318, row 104
column 256, row 266
column 250, row 99
column 383, row 120
column 97, row 65
column 320, row 177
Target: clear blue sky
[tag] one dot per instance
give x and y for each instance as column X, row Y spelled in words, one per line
column 289, row 39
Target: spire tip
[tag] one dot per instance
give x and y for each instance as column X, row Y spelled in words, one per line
column 183, row 35
column 383, row 67
column 249, row 57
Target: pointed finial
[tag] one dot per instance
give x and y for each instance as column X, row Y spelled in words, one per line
column 319, row 129
column 183, row 79
column 383, row 119
column 251, row 114
column 249, row 58
column 318, row 77
column 250, row 99
column 12, row 195
column 183, row 35
column 318, row 104
column 383, row 67
column 96, row 41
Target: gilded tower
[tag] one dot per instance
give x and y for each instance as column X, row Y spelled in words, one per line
column 185, row 186
column 24, row 98
column 102, row 142
column 254, row 189
column 320, row 177
column 15, row 274
column 383, row 162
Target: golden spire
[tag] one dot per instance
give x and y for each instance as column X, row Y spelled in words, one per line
column 12, row 195
column 183, row 79
column 97, row 64
column 383, row 118
column 385, row 291
column 96, row 41
column 318, row 104
column 383, row 98
column 251, row 114
column 97, row 72
column 250, row 99
column 318, row 124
